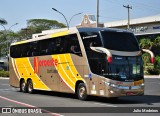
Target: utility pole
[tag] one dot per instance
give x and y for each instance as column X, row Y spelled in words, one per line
column 97, row 13
column 128, row 7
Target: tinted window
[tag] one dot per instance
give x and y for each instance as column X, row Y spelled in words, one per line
column 91, row 39
column 119, row 41
column 33, row 49
column 16, row 51
column 58, row 45
column 95, row 59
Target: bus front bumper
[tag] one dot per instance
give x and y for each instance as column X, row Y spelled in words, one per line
column 119, row 90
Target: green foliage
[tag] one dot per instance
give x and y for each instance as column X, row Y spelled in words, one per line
column 146, row 58
column 153, row 71
column 4, row 74
column 157, row 62
column 44, row 24
column 157, row 41
column 37, row 26
column 154, row 46
column 146, row 43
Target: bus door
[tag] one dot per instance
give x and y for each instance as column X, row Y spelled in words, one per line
column 97, row 67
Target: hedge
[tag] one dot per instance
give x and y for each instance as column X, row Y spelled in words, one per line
column 4, row 74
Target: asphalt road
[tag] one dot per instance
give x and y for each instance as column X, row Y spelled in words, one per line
column 11, row 97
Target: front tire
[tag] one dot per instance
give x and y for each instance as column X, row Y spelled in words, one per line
column 23, row 86
column 82, row 91
column 30, row 87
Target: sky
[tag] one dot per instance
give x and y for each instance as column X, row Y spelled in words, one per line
column 19, row 11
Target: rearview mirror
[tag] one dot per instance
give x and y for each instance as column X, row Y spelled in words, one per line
column 103, row 50
column 151, row 53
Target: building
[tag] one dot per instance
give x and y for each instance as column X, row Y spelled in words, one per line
column 148, row 27
column 89, row 21
column 142, row 27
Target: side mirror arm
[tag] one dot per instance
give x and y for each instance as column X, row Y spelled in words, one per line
column 151, row 53
column 103, row 50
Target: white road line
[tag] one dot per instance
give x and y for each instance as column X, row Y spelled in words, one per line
column 154, row 77
column 4, row 78
column 106, row 105
column 28, row 105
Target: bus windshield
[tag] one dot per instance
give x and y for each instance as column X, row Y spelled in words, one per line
column 119, row 41
column 122, row 68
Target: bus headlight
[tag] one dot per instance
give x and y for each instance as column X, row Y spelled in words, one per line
column 114, row 85
column 111, row 84
column 142, row 84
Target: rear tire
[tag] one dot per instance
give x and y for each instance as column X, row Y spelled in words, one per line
column 82, row 91
column 23, row 87
column 30, row 87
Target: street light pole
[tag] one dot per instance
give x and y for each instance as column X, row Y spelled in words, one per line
column 73, row 16
column 63, row 16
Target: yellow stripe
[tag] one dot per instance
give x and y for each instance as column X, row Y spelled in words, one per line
column 73, row 68
column 64, row 74
column 69, row 76
column 26, row 71
column 59, row 34
column 14, row 67
column 70, row 67
column 21, row 42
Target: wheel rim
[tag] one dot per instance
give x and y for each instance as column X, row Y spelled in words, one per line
column 30, row 87
column 82, row 92
column 23, row 86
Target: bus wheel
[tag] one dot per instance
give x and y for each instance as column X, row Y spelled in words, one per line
column 82, row 91
column 30, row 86
column 23, row 86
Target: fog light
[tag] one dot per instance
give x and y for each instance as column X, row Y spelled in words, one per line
column 142, row 84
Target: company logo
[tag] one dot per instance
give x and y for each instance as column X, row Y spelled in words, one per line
column 43, row 63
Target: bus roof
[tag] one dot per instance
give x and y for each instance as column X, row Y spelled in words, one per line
column 48, row 34
column 61, row 32
column 88, row 29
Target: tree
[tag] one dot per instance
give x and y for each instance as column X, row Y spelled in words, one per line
column 2, row 35
column 38, row 25
column 146, row 43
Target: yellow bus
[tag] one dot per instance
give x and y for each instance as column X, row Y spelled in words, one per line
column 85, row 61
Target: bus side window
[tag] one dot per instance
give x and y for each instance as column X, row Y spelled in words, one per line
column 33, row 49
column 24, row 50
column 44, row 47
column 74, row 46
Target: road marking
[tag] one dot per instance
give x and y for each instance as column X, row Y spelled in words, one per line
column 106, row 105
column 28, row 105
column 4, row 78
column 154, row 77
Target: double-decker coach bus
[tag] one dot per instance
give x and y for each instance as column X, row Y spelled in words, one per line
column 85, row 61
